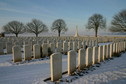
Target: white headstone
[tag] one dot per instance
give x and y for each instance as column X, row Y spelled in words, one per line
column 89, row 56
column 100, row 53
column 75, row 46
column 59, row 47
column 84, row 44
column 108, row 51
column 95, row 54
column 65, row 47
column 52, row 47
column 114, row 48
column 56, row 66
column 27, row 52
column 44, row 49
column 9, row 47
column 104, row 52
column 79, row 44
column 111, row 50
column 71, row 62
column 81, row 58
column 16, row 53
column 70, row 46
column 36, row 51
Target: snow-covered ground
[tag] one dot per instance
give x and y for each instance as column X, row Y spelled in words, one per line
column 110, row 72
column 35, row 71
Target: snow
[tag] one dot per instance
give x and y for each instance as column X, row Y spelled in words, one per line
column 109, row 72
column 35, row 71
column 26, row 72
column 23, row 72
column 101, row 44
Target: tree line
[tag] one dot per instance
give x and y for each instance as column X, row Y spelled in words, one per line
column 95, row 22
column 35, row 26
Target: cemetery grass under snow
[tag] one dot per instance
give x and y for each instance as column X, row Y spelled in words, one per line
column 111, row 71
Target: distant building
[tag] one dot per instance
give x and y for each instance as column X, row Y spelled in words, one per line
column 76, row 33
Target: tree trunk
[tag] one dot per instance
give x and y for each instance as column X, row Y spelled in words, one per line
column 16, row 35
column 36, row 35
column 95, row 34
column 96, row 31
column 59, row 33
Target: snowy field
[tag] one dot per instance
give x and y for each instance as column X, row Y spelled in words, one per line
column 35, row 71
column 109, row 72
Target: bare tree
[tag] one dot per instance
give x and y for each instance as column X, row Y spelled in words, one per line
column 96, row 21
column 36, row 27
column 14, row 27
column 118, row 23
column 59, row 25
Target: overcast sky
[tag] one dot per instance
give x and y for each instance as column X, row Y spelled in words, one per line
column 74, row 12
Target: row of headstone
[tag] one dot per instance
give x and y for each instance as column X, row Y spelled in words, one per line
column 71, row 42
column 43, row 51
column 56, row 39
column 41, row 40
column 72, row 45
column 38, row 51
column 86, row 57
column 19, row 41
column 65, row 45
